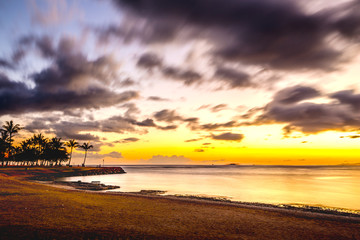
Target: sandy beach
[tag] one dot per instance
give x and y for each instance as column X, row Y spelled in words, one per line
column 31, row 210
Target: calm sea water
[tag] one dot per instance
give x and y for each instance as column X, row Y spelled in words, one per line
column 332, row 186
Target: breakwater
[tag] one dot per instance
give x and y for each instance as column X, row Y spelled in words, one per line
column 53, row 173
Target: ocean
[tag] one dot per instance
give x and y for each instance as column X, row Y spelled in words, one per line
column 323, row 186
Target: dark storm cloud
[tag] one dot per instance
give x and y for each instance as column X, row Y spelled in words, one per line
column 276, row 33
column 295, row 94
column 70, row 82
column 149, row 60
column 167, row 116
column 156, row 98
column 5, row 63
column 228, row 136
column 118, row 124
column 196, row 126
column 75, row 130
column 126, row 83
column 233, row 78
column 78, row 136
column 171, row 116
column 169, row 127
column 45, row 46
column 213, row 126
column 188, row 77
column 287, row 107
column 145, row 123
column 64, row 129
column 348, row 22
column 348, row 97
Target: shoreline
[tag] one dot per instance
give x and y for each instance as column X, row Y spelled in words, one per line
column 51, row 174
column 306, row 209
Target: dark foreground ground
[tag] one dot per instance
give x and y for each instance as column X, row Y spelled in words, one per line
column 30, row 210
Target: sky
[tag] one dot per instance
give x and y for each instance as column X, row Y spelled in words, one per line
column 186, row 81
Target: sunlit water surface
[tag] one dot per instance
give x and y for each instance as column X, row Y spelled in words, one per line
column 332, row 186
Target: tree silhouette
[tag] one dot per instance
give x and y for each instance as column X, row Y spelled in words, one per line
column 72, row 144
column 3, row 145
column 55, row 151
column 86, row 147
column 40, row 143
column 11, row 129
column 26, row 152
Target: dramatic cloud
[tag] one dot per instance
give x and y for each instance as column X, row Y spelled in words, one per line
column 156, row 98
column 125, row 83
column 295, row 94
column 188, row 77
column 167, row 116
column 45, row 46
column 118, row 124
column 145, row 123
column 169, row 127
column 78, row 136
column 228, row 136
column 71, row 82
column 213, row 126
column 233, row 78
column 5, row 64
column 149, row 60
column 274, row 33
column 132, row 110
column 348, row 97
column 287, row 107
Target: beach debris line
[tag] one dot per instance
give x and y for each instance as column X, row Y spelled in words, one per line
column 87, row 186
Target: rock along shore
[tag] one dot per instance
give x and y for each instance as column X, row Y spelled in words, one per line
column 54, row 173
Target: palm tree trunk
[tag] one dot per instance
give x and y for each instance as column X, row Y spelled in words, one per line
column 84, row 158
column 70, row 155
column 9, row 155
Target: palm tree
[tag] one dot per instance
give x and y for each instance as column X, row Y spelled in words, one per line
column 86, row 147
column 11, row 129
column 27, row 152
column 3, row 145
column 72, row 144
column 56, row 151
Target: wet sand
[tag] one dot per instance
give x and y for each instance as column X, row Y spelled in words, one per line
column 30, row 210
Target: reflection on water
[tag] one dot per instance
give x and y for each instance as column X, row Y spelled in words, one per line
column 333, row 186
